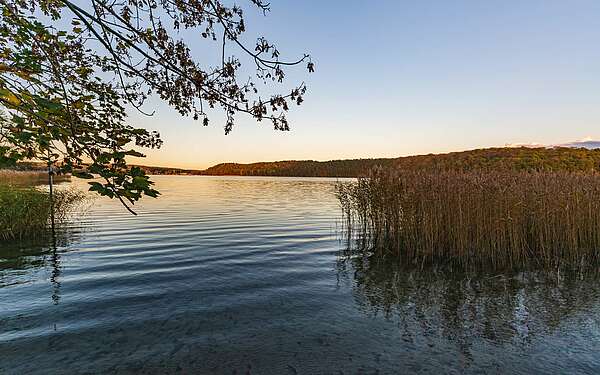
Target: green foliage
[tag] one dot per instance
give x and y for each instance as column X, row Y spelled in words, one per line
column 25, row 212
column 64, row 93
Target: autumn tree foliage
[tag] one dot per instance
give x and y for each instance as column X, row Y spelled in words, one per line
column 557, row 159
column 70, row 72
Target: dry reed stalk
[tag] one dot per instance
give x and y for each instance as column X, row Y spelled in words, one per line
column 476, row 219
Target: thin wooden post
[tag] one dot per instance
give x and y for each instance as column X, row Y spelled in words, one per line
column 51, row 186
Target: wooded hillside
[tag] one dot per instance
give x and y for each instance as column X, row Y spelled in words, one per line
column 523, row 158
column 548, row 159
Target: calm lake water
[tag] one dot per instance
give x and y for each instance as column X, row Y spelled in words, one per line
column 247, row 276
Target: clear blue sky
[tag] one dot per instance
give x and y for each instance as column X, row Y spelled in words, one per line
column 409, row 77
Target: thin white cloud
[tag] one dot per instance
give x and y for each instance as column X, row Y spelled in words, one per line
column 528, row 145
column 587, row 142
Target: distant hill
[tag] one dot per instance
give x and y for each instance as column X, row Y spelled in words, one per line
column 520, row 158
column 509, row 158
column 300, row 168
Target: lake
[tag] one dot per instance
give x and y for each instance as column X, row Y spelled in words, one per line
column 232, row 275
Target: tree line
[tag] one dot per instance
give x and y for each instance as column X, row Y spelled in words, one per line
column 518, row 159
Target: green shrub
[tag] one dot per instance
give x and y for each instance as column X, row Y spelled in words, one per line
column 26, row 212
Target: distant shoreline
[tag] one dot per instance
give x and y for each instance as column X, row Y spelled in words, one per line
column 502, row 158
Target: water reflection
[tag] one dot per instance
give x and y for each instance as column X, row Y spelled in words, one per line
column 56, row 271
column 231, row 275
column 21, row 257
column 464, row 309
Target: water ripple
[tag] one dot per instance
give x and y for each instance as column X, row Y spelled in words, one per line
column 243, row 275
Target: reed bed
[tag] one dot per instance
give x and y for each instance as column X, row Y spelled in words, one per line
column 28, row 178
column 475, row 220
column 26, row 212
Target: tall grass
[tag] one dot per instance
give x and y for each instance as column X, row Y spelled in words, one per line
column 478, row 219
column 26, row 212
column 28, row 178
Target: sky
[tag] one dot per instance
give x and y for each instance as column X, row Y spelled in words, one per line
column 397, row 78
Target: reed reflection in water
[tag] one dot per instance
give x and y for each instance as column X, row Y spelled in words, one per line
column 19, row 259
column 508, row 312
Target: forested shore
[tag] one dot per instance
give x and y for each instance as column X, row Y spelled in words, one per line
column 504, row 158
column 501, row 158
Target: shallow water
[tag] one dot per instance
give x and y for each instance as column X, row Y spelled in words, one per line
column 233, row 275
